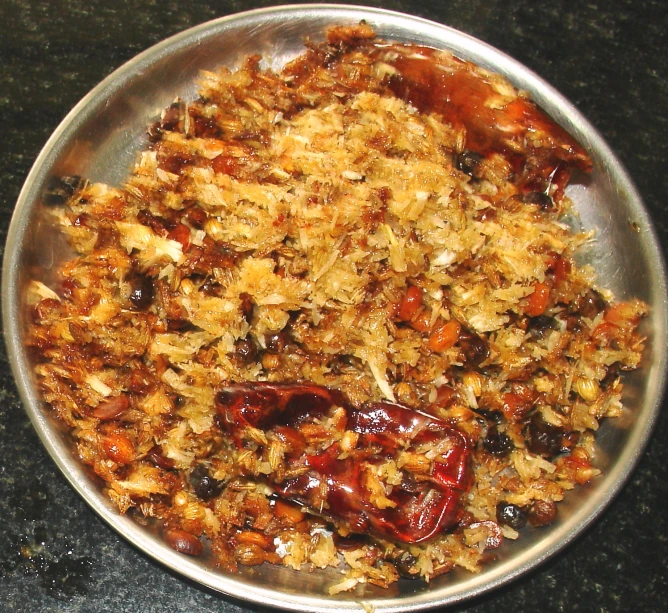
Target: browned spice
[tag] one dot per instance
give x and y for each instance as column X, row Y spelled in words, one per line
column 334, row 318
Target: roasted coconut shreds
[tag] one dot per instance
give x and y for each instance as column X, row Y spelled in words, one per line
column 378, row 225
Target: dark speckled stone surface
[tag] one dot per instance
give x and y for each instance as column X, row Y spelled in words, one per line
column 608, row 57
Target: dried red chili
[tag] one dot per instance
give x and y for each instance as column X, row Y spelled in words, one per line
column 333, row 483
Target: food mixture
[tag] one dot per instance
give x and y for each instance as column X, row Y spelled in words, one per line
column 334, row 318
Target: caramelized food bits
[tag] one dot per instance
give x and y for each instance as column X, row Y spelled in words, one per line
column 344, row 482
column 141, row 292
column 379, row 218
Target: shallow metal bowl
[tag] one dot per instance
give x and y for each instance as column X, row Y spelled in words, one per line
column 99, row 140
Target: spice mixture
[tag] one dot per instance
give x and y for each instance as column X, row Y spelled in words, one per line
column 334, row 318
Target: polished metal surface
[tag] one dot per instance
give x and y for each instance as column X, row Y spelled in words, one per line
column 100, row 138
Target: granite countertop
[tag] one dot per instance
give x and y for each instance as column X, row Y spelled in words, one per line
column 607, row 57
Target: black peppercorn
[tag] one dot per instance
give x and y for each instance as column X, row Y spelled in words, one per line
column 205, row 486
column 474, row 347
column 406, row 565
column 276, row 342
column 245, row 350
column 542, row 438
column 541, row 325
column 468, row 162
column 511, row 515
column 497, row 443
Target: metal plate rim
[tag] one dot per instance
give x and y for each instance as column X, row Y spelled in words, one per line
column 155, row 548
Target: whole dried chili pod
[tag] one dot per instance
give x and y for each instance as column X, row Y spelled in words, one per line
column 340, row 480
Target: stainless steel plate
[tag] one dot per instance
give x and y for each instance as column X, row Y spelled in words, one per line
column 100, row 138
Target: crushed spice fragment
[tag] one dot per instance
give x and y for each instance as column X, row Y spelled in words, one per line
column 334, row 318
